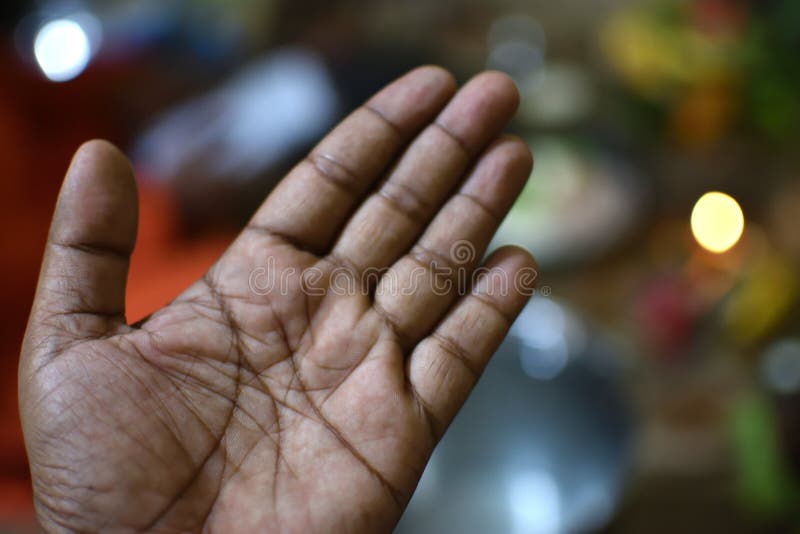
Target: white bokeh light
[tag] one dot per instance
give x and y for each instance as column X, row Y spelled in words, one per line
column 535, row 503
column 62, row 49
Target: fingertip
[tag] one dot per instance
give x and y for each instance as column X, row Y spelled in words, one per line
column 98, row 198
column 512, row 257
column 98, row 146
column 98, row 164
column 501, row 84
column 99, row 152
column 516, row 152
column 510, row 277
column 438, row 75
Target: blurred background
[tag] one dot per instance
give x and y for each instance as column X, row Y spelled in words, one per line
column 653, row 383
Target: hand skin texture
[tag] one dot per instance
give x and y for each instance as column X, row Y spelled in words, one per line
column 239, row 410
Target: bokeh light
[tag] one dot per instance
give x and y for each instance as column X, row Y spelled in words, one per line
column 780, row 367
column 62, row 49
column 717, row 222
column 535, row 503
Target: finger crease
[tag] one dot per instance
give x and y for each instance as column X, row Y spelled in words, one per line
column 279, row 237
column 340, row 262
column 96, row 249
column 491, row 304
column 497, row 219
column 406, row 200
column 335, row 173
column 386, row 120
column 456, row 351
column 462, row 144
column 432, row 260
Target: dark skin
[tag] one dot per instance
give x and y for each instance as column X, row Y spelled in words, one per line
column 294, row 410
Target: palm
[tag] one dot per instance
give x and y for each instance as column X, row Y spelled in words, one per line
column 295, row 387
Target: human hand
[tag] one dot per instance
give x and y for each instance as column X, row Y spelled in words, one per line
column 298, row 386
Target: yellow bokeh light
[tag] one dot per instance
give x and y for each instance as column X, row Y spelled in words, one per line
column 717, row 221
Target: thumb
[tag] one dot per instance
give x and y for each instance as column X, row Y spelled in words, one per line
column 81, row 291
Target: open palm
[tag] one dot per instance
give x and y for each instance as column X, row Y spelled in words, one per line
column 302, row 383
